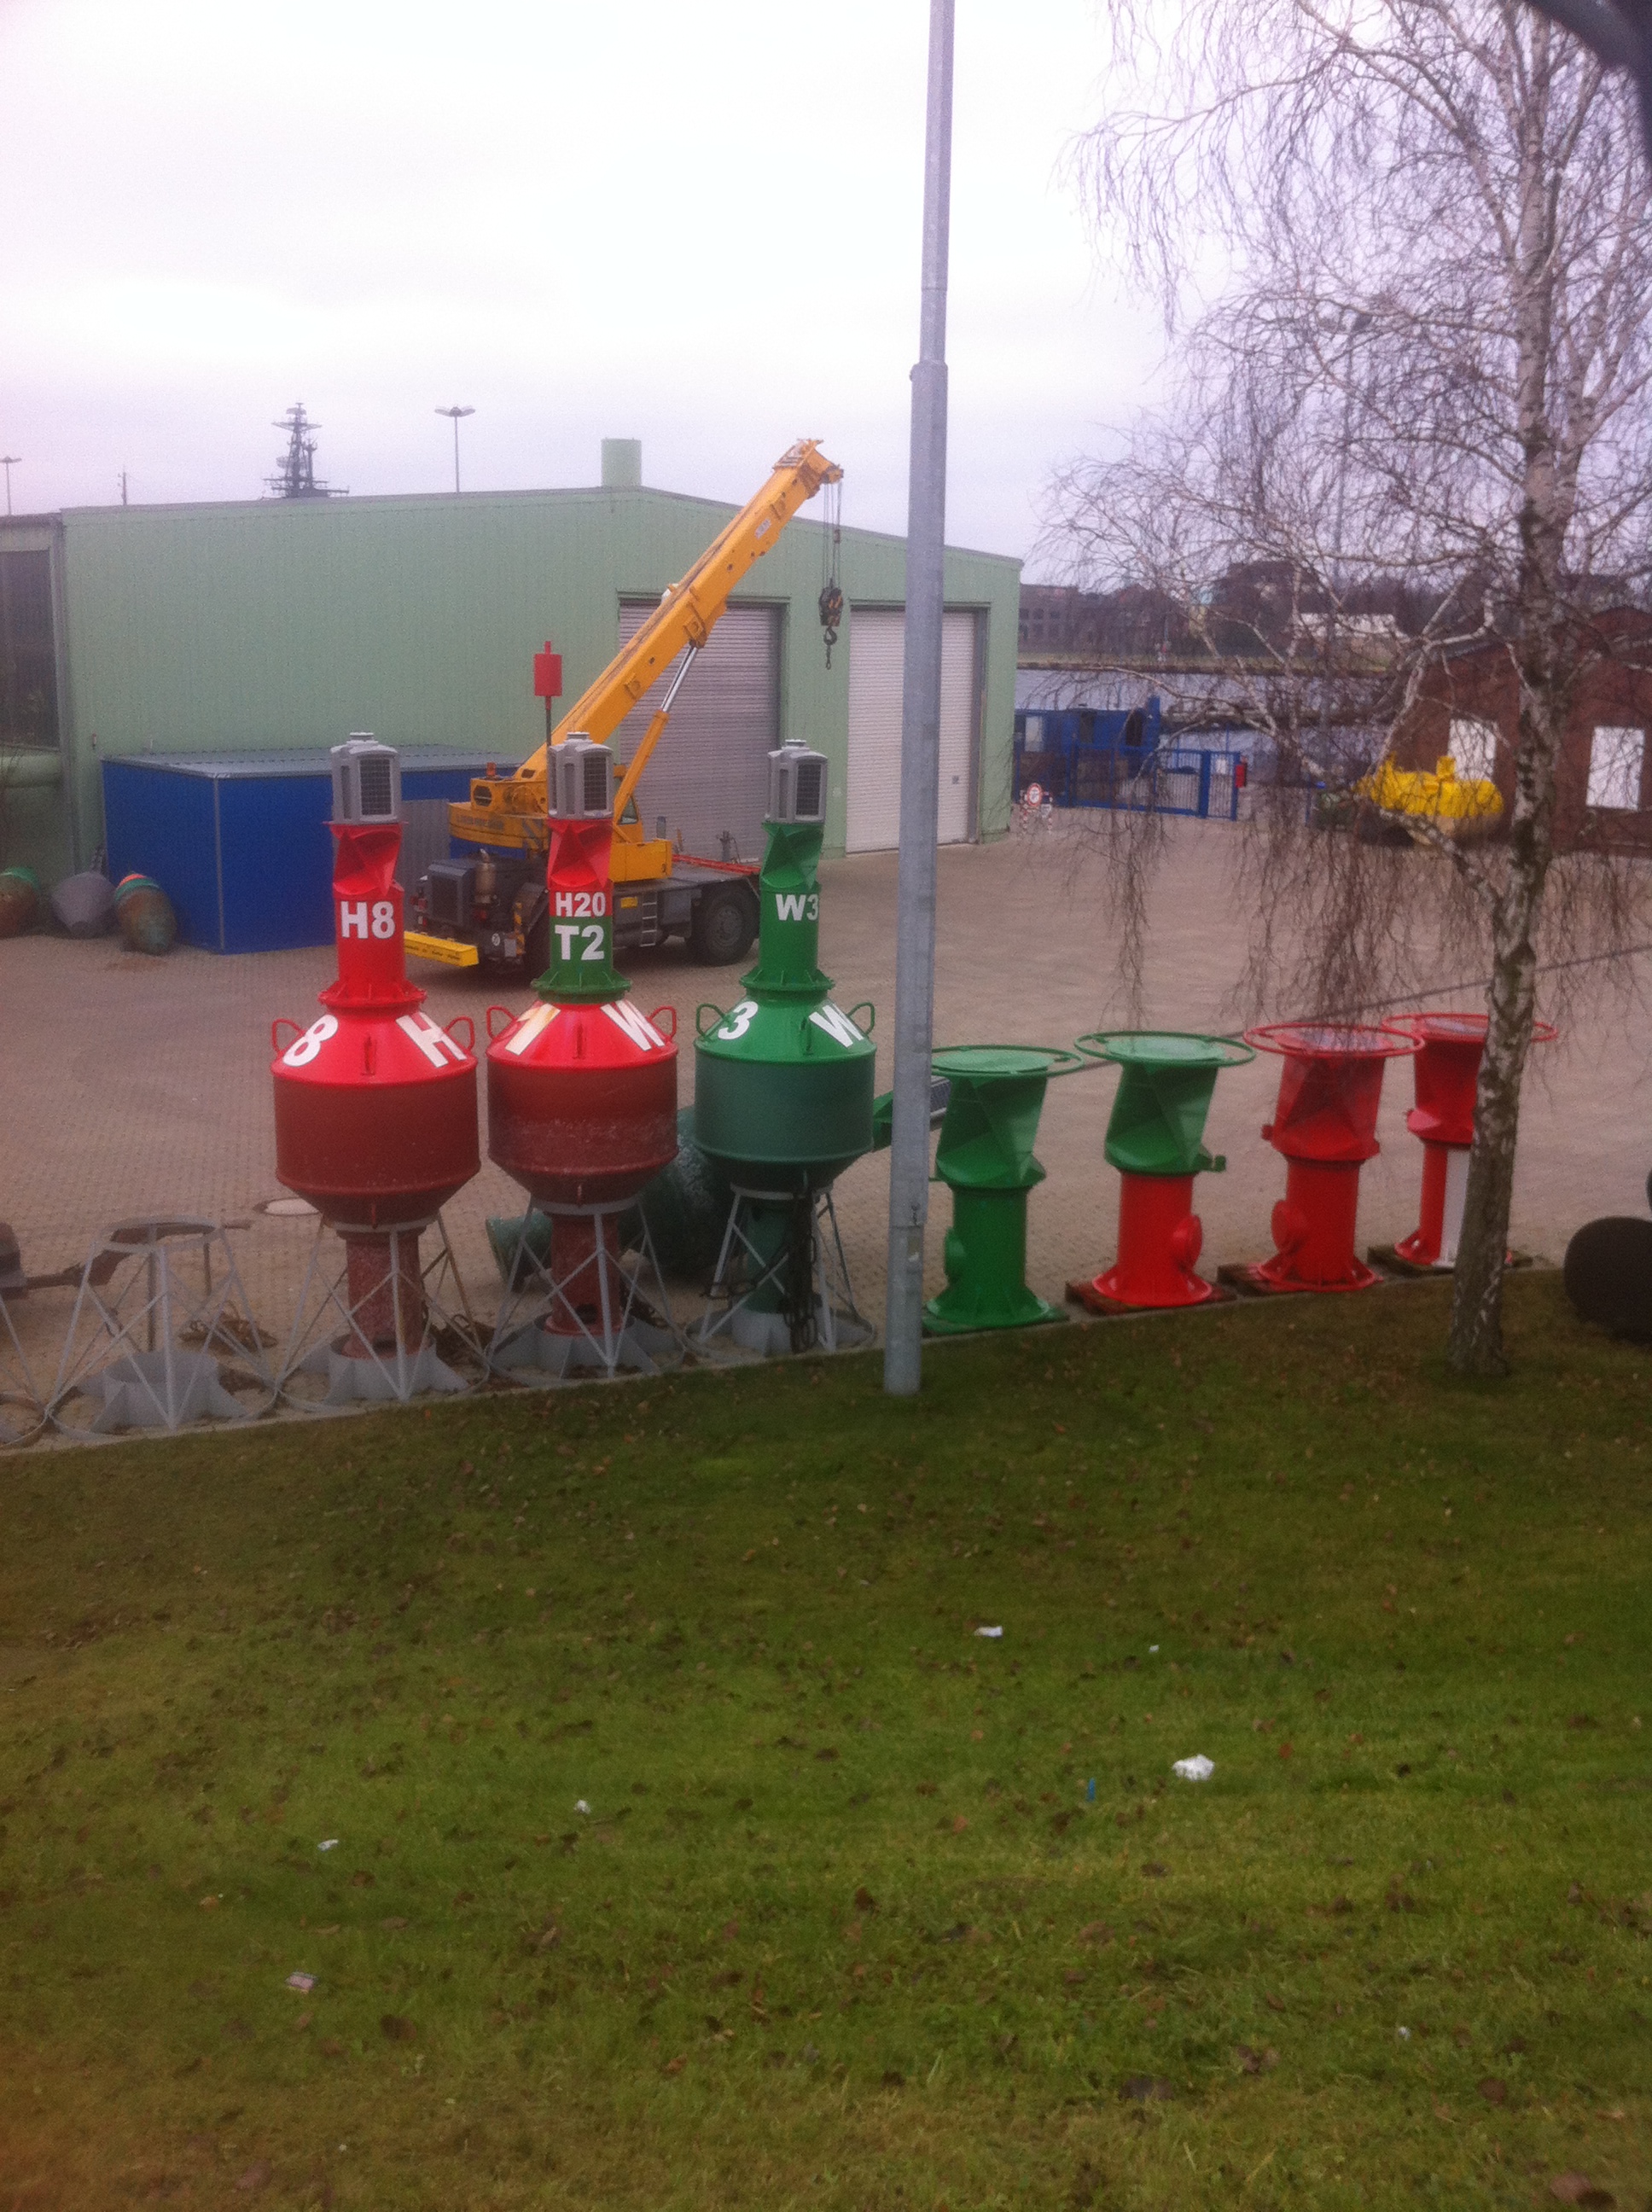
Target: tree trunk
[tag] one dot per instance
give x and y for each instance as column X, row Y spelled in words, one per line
column 1546, row 655
column 1475, row 1343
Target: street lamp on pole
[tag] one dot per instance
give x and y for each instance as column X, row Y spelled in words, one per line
column 456, row 415
column 9, row 462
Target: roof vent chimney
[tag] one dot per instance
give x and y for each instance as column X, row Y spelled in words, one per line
column 622, row 463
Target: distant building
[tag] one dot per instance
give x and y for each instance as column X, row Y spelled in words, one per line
column 1135, row 623
column 1469, row 706
column 282, row 624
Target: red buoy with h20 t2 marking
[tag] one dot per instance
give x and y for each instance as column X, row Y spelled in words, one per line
column 581, row 1102
column 375, row 1104
column 1447, row 1070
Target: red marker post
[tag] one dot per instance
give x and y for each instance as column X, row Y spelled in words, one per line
column 1447, row 1070
column 1325, row 1126
column 547, row 679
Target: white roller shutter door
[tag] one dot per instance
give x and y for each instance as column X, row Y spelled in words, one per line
column 709, row 774
column 877, row 653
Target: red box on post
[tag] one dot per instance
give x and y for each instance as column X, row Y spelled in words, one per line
column 547, row 674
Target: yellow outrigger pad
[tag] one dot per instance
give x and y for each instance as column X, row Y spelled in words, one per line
column 440, row 948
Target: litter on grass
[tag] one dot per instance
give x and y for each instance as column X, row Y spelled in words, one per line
column 1197, row 1769
column 989, row 1631
column 331, row 1845
column 579, row 1805
column 302, row 1983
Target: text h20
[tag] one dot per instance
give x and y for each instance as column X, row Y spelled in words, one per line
column 568, row 931
column 356, row 921
column 582, row 904
column 798, row 906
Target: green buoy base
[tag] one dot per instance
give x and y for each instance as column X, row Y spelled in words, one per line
column 945, row 1317
column 985, row 1260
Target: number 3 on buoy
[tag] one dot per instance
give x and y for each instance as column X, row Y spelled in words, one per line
column 739, row 1021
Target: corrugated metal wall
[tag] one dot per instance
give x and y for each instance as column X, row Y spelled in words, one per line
column 709, row 774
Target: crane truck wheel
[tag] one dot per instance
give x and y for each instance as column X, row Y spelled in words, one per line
column 724, row 926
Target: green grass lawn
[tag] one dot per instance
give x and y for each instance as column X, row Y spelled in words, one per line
column 693, row 1850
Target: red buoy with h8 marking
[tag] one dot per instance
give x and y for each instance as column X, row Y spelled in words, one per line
column 375, row 1104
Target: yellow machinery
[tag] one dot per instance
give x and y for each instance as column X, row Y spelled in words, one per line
column 1451, row 802
column 488, row 909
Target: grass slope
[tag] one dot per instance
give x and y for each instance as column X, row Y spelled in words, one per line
column 843, row 1925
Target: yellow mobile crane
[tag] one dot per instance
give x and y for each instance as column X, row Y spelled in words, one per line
column 492, row 909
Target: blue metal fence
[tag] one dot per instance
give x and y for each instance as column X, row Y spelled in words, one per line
column 1084, row 756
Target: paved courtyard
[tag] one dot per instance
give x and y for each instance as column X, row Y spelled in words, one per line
column 137, row 1086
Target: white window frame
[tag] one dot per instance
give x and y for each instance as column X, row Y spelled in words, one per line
column 1474, row 748
column 1617, row 757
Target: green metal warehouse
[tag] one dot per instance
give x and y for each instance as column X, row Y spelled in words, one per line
column 277, row 624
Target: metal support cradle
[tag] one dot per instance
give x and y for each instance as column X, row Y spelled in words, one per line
column 761, row 1309
column 148, row 1339
column 580, row 1310
column 383, row 1328
column 21, row 1414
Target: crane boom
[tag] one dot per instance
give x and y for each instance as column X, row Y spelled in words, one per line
column 510, row 810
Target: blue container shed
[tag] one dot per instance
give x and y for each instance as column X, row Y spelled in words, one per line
column 239, row 842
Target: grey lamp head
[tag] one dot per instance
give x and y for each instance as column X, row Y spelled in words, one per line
column 366, row 780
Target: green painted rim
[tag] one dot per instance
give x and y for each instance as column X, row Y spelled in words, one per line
column 1165, row 1049
column 964, row 1062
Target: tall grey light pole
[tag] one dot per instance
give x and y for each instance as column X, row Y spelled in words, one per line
column 921, row 742
column 9, row 462
column 456, row 415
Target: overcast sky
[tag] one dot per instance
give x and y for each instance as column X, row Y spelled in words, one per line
column 698, row 226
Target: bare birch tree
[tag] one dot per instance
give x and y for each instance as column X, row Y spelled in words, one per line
column 1422, row 363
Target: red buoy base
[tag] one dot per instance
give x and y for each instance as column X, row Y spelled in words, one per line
column 385, row 1290
column 388, row 1303
column 1433, row 1243
column 581, row 1310
column 1160, row 1238
column 1314, row 1228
